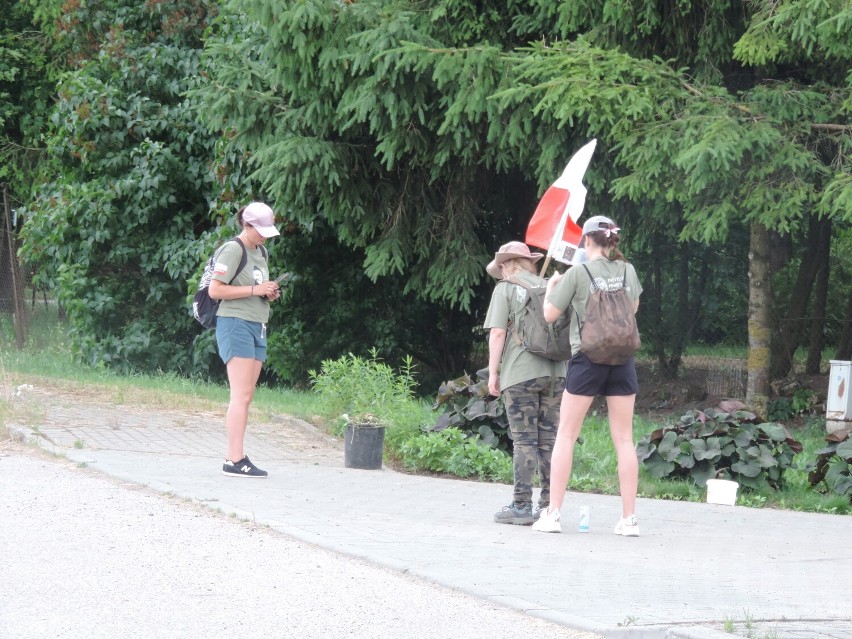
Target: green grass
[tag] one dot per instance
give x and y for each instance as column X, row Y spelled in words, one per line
column 47, row 356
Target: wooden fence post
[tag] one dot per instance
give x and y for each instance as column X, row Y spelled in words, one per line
column 19, row 318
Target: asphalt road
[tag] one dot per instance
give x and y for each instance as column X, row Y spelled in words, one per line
column 89, row 556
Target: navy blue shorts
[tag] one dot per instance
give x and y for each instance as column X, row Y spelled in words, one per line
column 589, row 379
column 237, row 337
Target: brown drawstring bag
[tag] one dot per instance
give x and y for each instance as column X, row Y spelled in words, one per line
column 609, row 334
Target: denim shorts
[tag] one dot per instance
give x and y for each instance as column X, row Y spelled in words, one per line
column 237, row 337
column 589, row 379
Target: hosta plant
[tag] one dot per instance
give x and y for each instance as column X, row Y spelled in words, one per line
column 834, row 463
column 717, row 443
column 468, row 406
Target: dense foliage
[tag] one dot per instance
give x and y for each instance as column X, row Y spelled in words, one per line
column 714, row 443
column 423, row 136
column 130, row 182
column 833, row 465
column 465, row 404
column 401, row 143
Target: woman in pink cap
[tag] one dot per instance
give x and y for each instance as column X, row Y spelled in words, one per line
column 531, row 385
column 241, row 323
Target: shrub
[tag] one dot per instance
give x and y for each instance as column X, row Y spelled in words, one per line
column 361, row 386
column 802, row 401
column 834, row 463
column 454, row 452
column 470, row 408
column 715, row 443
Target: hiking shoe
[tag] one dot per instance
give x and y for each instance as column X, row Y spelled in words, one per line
column 515, row 514
column 242, row 468
column 627, row 527
column 548, row 521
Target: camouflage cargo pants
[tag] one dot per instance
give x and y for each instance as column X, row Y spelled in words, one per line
column 532, row 408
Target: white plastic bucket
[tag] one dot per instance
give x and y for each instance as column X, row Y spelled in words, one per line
column 722, row 491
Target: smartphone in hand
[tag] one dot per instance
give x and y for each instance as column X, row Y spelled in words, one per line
column 282, row 278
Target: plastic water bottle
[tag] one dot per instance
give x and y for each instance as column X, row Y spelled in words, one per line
column 583, row 526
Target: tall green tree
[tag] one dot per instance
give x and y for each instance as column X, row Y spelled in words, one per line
column 424, row 136
column 26, row 82
column 803, row 52
column 403, row 142
column 112, row 230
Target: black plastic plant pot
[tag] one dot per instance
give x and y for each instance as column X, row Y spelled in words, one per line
column 362, row 446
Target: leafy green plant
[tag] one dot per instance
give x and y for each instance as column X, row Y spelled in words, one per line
column 784, row 408
column 469, row 407
column 455, row 452
column 715, row 443
column 779, row 409
column 834, row 463
column 112, row 228
column 365, row 389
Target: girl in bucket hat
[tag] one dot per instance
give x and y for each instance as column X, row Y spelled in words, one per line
column 530, row 385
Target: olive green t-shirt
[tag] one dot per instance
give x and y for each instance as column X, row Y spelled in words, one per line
column 517, row 365
column 256, row 271
column 575, row 287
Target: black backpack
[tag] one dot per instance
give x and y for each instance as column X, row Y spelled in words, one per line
column 609, row 334
column 204, row 307
column 534, row 334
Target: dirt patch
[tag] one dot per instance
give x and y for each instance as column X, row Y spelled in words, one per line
column 698, row 387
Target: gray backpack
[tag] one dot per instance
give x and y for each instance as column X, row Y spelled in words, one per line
column 610, row 334
column 534, row 334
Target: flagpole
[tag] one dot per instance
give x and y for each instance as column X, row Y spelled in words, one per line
column 544, row 267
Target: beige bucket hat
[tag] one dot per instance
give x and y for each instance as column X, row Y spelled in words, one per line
column 510, row 251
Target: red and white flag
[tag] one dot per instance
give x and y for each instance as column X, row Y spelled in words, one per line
column 554, row 224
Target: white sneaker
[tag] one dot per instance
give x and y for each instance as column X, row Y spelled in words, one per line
column 627, row 527
column 548, row 521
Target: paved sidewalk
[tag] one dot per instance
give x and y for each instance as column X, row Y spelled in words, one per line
column 774, row 574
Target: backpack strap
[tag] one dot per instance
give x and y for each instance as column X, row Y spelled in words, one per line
column 244, row 258
column 589, row 273
column 595, row 286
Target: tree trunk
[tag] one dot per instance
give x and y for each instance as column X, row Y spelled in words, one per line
column 790, row 330
column 655, row 304
column 817, row 337
column 7, row 291
column 759, row 319
column 670, row 363
column 844, row 344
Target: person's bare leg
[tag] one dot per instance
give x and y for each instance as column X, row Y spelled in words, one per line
column 620, row 410
column 243, row 373
column 572, row 412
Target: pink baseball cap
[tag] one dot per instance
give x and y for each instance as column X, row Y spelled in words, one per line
column 261, row 217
